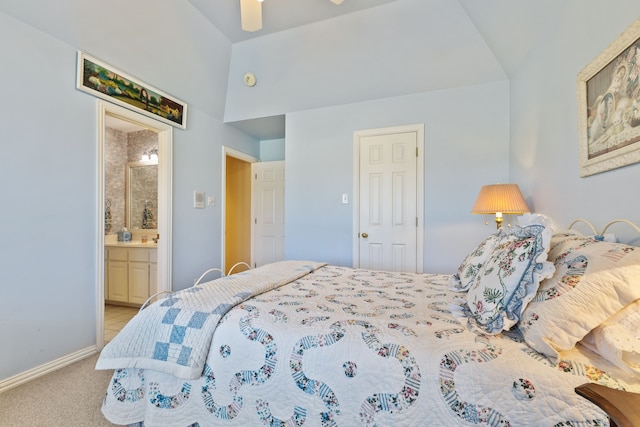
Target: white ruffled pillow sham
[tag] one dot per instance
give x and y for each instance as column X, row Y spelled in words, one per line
column 618, row 338
column 592, row 282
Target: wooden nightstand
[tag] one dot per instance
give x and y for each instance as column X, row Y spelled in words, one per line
column 622, row 407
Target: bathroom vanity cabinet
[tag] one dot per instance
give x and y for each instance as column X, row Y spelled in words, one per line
column 131, row 274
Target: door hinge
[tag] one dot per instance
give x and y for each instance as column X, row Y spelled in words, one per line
column 416, row 151
column 416, row 221
column 255, row 220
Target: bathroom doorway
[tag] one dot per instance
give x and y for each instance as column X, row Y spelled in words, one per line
column 115, row 120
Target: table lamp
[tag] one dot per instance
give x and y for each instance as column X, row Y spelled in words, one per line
column 500, row 199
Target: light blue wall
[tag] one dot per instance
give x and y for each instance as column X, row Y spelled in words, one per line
column 272, row 150
column 544, row 120
column 48, row 189
column 466, row 145
column 198, row 165
column 48, row 165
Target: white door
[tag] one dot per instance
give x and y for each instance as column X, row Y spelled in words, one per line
column 389, row 222
column 268, row 212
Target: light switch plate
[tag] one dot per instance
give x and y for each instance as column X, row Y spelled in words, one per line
column 198, row 199
column 345, row 198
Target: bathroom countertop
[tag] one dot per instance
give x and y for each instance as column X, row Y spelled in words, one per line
column 132, row 244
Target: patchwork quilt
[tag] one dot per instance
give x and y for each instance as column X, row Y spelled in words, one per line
column 350, row 347
column 173, row 336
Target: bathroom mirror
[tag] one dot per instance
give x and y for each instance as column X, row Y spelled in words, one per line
column 141, row 196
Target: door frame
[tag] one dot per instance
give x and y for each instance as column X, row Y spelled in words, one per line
column 165, row 202
column 227, row 151
column 357, row 136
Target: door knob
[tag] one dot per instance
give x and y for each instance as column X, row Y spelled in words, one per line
column 364, row 235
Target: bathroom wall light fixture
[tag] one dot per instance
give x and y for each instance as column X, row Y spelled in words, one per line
column 150, row 155
column 500, row 199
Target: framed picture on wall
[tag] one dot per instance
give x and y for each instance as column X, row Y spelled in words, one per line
column 609, row 106
column 106, row 82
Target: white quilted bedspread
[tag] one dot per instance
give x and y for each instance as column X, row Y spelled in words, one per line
column 345, row 347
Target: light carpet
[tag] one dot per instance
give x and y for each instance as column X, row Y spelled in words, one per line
column 69, row 397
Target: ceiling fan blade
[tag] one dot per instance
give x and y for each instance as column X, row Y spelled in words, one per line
column 337, row 1
column 251, row 15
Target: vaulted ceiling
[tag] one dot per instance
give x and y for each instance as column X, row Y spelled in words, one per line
column 501, row 31
column 509, row 27
column 277, row 15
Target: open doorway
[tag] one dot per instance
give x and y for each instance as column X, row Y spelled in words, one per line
column 236, row 218
column 153, row 274
column 253, row 210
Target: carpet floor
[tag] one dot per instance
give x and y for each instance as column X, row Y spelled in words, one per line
column 69, row 397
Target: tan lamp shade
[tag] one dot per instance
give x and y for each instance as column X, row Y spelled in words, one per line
column 500, row 199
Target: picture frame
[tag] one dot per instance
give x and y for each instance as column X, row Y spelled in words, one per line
column 608, row 91
column 104, row 81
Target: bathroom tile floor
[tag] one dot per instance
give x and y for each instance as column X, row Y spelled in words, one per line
column 115, row 317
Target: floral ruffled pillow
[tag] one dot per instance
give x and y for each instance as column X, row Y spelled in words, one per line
column 509, row 278
column 468, row 270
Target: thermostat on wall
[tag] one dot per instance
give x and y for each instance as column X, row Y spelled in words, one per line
column 250, row 79
column 198, row 199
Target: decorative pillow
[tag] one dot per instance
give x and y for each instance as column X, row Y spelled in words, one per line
column 593, row 281
column 463, row 278
column 508, row 280
column 618, row 338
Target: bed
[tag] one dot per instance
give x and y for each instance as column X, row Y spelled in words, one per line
column 530, row 315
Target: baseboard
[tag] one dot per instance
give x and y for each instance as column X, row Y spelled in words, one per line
column 41, row 370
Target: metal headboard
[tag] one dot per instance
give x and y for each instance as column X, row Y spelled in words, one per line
column 584, row 221
column 606, row 227
column 197, row 282
column 625, row 221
